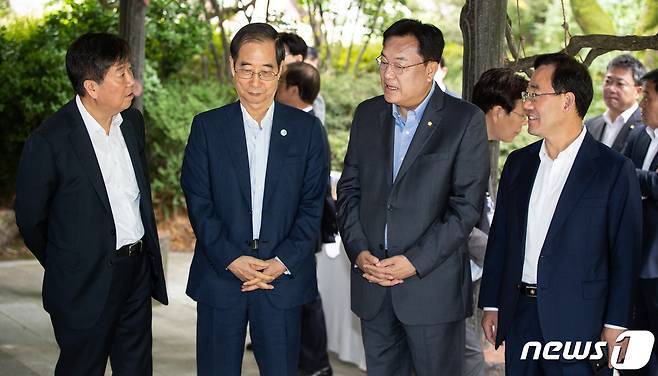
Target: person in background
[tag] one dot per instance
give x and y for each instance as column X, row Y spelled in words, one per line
column 564, row 243
column 254, row 176
column 622, row 88
column 642, row 149
column 84, row 209
column 441, row 75
column 298, row 87
column 319, row 108
column 498, row 94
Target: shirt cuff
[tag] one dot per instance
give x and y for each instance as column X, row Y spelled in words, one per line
column 610, row 326
column 490, row 309
column 287, row 272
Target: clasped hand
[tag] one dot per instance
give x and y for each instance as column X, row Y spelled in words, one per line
column 387, row 272
column 256, row 273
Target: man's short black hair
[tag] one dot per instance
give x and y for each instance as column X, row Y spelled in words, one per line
column 305, row 77
column 295, row 44
column 91, row 56
column 569, row 76
column 429, row 37
column 498, row 87
column 626, row 61
column 652, row 77
column 258, row 32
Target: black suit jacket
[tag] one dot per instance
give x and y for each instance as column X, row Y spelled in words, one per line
column 430, row 208
column 63, row 213
column 638, row 144
column 596, row 125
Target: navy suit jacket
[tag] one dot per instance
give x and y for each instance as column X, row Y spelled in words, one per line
column 636, row 149
column 215, row 179
column 589, row 259
column 596, row 125
column 64, row 215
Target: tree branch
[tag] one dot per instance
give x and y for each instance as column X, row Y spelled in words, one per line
column 599, row 43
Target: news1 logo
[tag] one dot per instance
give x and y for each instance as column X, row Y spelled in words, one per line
column 638, row 352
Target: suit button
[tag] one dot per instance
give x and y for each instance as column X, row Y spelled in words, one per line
column 381, row 247
column 109, row 262
column 389, row 207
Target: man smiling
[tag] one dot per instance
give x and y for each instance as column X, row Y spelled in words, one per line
column 411, row 191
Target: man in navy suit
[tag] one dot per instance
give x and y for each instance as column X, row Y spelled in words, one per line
column 642, row 149
column 83, row 207
column 565, row 238
column 254, row 176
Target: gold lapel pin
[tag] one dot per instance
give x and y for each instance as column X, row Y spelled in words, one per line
column 429, row 123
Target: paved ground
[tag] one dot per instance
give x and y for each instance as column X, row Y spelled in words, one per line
column 27, row 345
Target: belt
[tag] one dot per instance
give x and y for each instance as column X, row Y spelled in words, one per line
column 131, row 249
column 527, row 289
column 253, row 244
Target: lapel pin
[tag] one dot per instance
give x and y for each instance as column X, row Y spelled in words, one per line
column 632, row 126
column 284, row 132
column 429, row 123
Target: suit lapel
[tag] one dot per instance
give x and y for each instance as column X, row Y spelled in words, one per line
column 277, row 152
column 428, row 124
column 597, row 129
column 522, row 189
column 632, row 122
column 130, row 137
column 237, row 145
column 642, row 146
column 582, row 172
column 387, row 134
column 84, row 150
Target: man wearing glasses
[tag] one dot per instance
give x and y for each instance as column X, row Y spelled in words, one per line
column 412, row 189
column 564, row 243
column 254, row 176
column 622, row 88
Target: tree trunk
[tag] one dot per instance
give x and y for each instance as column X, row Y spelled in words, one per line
column 348, row 58
column 483, row 28
column 132, row 19
column 373, row 26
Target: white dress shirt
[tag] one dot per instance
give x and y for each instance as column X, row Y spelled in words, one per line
column 612, row 128
column 258, row 148
column 118, row 175
column 653, row 148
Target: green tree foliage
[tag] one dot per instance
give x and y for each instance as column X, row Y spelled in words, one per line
column 32, row 67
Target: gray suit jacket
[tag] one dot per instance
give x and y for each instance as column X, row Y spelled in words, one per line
column 596, row 125
column 430, row 208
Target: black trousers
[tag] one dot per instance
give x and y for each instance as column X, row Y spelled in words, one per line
column 313, row 350
column 122, row 333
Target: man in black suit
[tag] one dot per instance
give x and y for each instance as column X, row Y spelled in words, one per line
column 642, row 149
column 83, row 207
column 299, row 85
column 412, row 189
column 621, row 89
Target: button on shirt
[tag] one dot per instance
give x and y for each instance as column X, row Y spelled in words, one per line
column 612, row 128
column 118, row 175
column 258, row 149
column 405, row 129
column 653, row 148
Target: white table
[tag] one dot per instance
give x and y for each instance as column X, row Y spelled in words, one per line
column 343, row 327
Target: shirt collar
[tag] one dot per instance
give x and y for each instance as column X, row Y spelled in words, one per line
column 651, row 132
column 418, row 111
column 624, row 115
column 307, row 109
column 90, row 123
column 569, row 153
column 252, row 123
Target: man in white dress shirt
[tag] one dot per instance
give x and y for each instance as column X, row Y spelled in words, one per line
column 622, row 88
column 83, row 207
column 565, row 239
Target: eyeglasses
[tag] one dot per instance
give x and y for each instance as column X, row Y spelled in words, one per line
column 525, row 96
column 248, row 74
column 522, row 116
column 397, row 68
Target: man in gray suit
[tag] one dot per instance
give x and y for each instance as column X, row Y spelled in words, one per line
column 412, row 189
column 622, row 88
